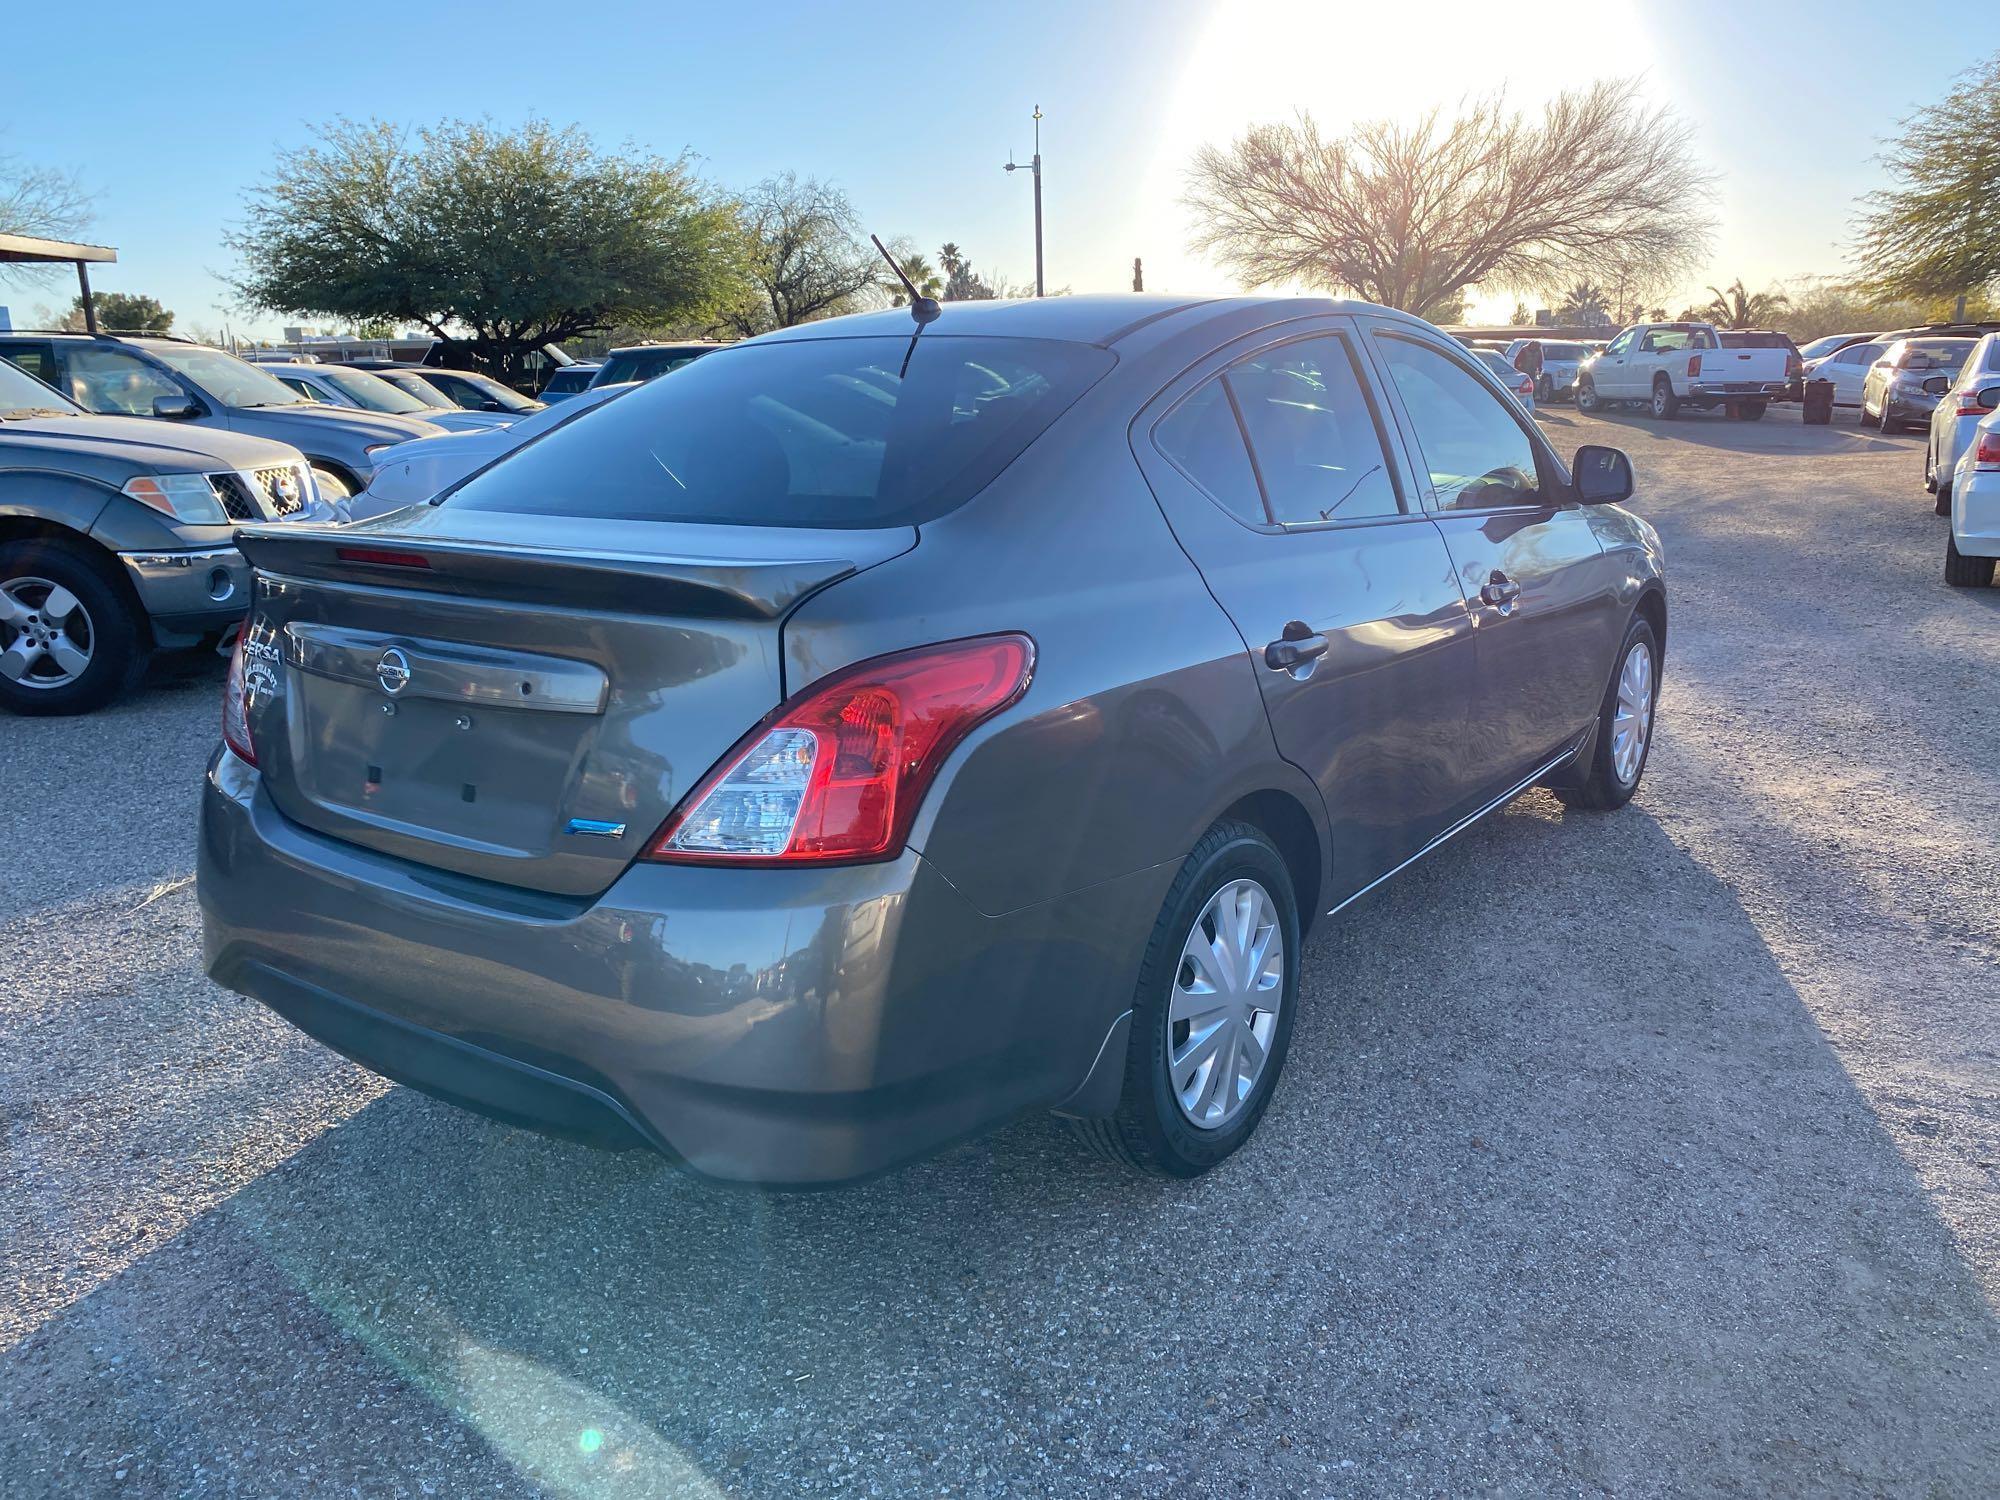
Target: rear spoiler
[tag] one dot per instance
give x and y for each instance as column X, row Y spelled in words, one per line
column 738, row 588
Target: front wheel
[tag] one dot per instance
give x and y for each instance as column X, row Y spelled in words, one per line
column 70, row 642
column 1212, row 1017
column 1624, row 726
column 1666, row 405
column 1586, row 395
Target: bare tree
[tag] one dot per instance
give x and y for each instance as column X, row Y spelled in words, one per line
column 1411, row 215
column 43, row 202
column 805, row 257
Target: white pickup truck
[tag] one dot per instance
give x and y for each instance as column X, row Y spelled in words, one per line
column 1671, row 365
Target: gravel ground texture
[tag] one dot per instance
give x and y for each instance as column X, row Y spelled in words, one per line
column 1646, row 1153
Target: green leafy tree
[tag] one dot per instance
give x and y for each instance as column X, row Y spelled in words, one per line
column 917, row 266
column 495, row 241
column 1737, row 307
column 126, row 312
column 1412, row 214
column 961, row 282
column 803, row 256
column 1935, row 234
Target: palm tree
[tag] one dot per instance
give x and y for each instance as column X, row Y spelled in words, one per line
column 1583, row 305
column 1739, row 308
column 922, row 274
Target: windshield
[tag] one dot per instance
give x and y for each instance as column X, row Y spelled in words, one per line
column 493, row 390
column 224, row 378
column 365, row 390
column 644, row 364
column 416, row 386
column 1821, row 347
column 821, row 432
column 20, row 391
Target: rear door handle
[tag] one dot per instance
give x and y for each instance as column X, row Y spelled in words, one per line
column 1500, row 592
column 1295, row 648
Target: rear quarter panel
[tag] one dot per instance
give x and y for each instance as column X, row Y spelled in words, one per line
column 1142, row 721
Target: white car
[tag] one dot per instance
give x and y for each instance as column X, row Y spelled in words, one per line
column 411, row 473
column 1517, row 381
column 1847, row 367
column 337, row 385
column 1973, row 393
column 1560, row 362
column 1975, row 510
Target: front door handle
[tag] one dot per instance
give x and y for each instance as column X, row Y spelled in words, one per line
column 1297, row 647
column 1500, row 592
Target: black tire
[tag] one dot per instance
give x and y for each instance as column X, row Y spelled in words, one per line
column 1753, row 411
column 1665, row 404
column 1586, row 396
column 1149, row 1132
column 1545, row 391
column 1963, row 572
column 1884, row 422
column 1941, row 503
column 1930, row 467
column 112, row 629
column 1601, row 789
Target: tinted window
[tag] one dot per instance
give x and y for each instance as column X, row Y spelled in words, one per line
column 366, row 391
column 108, row 379
column 813, row 432
column 1671, row 340
column 569, row 378
column 1314, row 440
column 1739, row 339
column 479, row 393
column 1564, row 351
column 1478, row 456
column 1859, row 354
column 1934, row 354
column 644, row 364
column 1202, row 439
column 37, row 359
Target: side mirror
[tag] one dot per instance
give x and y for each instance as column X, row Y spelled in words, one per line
column 1603, row 475
column 1937, row 385
column 1990, row 397
column 175, row 408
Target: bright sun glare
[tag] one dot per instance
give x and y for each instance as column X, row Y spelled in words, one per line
column 1262, row 60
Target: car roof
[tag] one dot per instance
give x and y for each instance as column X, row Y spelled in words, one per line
column 671, row 346
column 1101, row 318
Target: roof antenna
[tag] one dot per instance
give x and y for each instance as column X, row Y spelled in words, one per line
column 923, row 309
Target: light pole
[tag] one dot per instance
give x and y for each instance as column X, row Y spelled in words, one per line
column 1036, row 168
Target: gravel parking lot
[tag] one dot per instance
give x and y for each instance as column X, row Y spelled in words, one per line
column 1648, row 1153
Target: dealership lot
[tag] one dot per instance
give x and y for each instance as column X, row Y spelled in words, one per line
column 1652, row 1153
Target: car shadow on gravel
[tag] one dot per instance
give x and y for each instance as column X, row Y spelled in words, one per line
column 1562, row 1189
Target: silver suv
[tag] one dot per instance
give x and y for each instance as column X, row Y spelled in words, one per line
column 159, row 375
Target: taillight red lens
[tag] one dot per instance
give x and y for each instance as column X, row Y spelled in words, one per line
column 1986, row 453
column 1794, row 367
column 235, row 707
column 1968, row 405
column 1694, row 365
column 837, row 773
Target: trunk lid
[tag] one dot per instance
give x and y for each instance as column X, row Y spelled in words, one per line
column 518, row 698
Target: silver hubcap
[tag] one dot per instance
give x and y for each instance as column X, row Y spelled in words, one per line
column 1224, row 1010
column 45, row 634
column 1632, row 719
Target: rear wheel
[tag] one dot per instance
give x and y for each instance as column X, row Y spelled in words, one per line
column 1885, row 422
column 1930, row 465
column 1545, row 390
column 1624, row 725
column 70, row 642
column 1212, row 1017
column 1942, row 504
column 1753, row 411
column 1665, row 405
column 1963, row 572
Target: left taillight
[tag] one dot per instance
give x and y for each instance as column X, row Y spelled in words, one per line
column 1969, row 405
column 235, row 707
column 836, row 774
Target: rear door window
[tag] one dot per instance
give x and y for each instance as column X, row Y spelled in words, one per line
column 834, row 432
column 1312, row 436
column 39, row 360
column 1202, row 439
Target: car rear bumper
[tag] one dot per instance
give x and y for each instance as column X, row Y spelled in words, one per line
column 774, row 1026
column 1975, row 513
column 1769, row 390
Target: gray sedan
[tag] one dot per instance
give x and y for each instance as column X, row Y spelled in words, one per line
column 1899, row 390
column 885, row 727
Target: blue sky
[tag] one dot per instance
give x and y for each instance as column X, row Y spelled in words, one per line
column 913, row 110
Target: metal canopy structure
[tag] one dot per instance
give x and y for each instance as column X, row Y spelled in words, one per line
column 25, row 250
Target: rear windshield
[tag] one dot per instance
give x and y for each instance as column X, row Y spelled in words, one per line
column 644, row 364
column 1562, row 351
column 819, row 432
column 1935, row 354
column 1737, row 339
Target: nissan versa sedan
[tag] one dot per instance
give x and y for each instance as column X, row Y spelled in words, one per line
column 883, row 728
